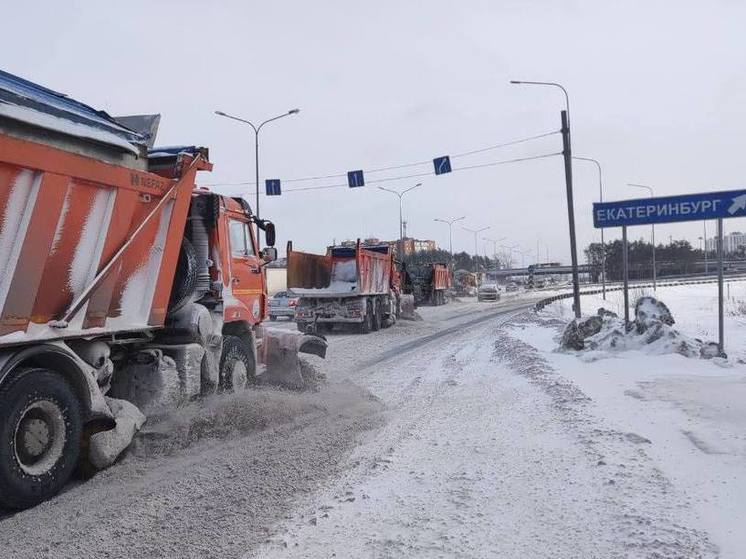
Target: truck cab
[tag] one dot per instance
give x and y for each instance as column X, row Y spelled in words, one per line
column 244, row 287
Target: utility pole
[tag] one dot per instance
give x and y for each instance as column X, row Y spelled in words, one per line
column 567, row 153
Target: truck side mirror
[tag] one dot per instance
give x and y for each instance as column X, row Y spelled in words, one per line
column 269, row 234
column 269, row 254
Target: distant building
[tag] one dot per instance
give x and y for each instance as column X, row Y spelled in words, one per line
column 732, row 243
column 410, row 246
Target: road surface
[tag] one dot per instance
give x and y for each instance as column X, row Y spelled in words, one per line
column 436, row 438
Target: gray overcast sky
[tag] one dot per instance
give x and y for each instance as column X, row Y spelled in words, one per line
column 656, row 94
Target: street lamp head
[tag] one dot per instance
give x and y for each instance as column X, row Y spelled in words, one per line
column 293, row 111
column 515, row 81
column 220, row 113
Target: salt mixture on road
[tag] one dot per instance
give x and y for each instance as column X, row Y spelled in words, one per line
column 462, row 435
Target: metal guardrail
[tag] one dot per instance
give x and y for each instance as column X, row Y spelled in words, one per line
column 549, row 300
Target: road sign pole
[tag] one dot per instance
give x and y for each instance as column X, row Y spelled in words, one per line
column 721, row 322
column 655, row 282
column 567, row 153
column 625, row 276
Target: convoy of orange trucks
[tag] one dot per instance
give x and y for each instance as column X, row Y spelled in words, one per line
column 124, row 288
column 358, row 286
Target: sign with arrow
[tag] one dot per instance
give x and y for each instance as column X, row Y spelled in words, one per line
column 273, row 187
column 442, row 165
column 355, row 179
column 670, row 209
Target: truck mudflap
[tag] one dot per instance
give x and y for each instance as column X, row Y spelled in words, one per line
column 279, row 354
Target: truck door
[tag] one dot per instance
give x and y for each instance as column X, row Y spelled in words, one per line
column 247, row 280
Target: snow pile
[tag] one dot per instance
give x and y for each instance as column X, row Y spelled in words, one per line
column 650, row 332
column 345, row 270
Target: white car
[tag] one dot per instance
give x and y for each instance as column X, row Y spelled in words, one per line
column 488, row 292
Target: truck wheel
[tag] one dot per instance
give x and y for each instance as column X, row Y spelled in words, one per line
column 376, row 317
column 40, row 434
column 185, row 277
column 367, row 324
column 237, row 365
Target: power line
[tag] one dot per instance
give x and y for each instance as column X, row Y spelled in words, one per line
column 418, row 175
column 394, row 167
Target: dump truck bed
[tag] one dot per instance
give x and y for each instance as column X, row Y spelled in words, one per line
column 341, row 272
column 87, row 246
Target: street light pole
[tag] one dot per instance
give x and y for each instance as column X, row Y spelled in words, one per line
column 476, row 232
column 510, row 254
column 256, row 130
column 400, row 194
column 567, row 154
column 600, row 199
column 649, row 189
column 450, row 223
column 494, row 246
column 704, row 225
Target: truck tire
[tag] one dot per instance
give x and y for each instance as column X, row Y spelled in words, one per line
column 237, row 364
column 40, row 435
column 185, row 277
column 376, row 318
column 367, row 324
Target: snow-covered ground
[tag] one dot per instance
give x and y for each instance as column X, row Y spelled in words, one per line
column 691, row 412
column 461, row 435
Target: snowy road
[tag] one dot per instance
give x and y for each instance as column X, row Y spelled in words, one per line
column 448, row 437
column 486, row 454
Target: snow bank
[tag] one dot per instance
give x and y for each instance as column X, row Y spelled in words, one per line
column 651, row 333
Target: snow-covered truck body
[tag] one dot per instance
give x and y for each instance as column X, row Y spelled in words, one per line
column 428, row 283
column 124, row 288
column 347, row 285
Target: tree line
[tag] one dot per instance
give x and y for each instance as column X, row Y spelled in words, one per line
column 672, row 259
column 461, row 260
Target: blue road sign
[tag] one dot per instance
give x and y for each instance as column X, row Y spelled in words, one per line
column 355, row 179
column 669, row 209
column 442, row 165
column 273, row 187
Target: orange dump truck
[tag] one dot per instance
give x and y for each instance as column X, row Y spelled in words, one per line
column 428, row 283
column 356, row 285
column 124, row 289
